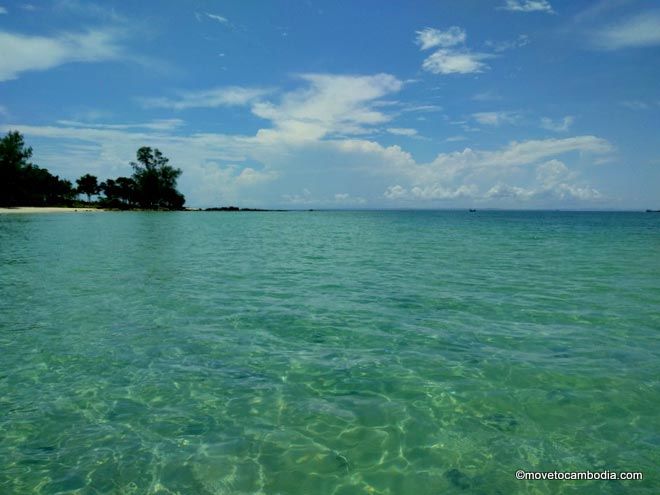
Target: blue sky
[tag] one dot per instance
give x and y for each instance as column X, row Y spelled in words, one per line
column 345, row 104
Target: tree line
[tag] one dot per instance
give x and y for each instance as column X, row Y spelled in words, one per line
column 152, row 185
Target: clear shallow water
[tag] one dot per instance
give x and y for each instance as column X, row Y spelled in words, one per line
column 328, row 352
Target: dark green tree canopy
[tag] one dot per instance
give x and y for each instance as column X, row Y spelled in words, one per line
column 88, row 184
column 155, row 180
column 119, row 193
column 23, row 183
column 13, row 152
column 152, row 186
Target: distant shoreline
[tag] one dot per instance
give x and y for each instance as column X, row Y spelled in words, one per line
column 48, row 209
column 86, row 209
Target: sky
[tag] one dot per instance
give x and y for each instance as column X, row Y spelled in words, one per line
column 519, row 104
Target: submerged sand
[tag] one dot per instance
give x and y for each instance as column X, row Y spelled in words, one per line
column 46, row 209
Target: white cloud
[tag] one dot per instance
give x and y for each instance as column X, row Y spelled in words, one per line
column 329, row 105
column 210, row 98
column 3, row 10
column 23, row 53
column 396, row 192
column 215, row 17
column 431, row 37
column 562, row 125
column 462, row 174
column 496, row 118
column 421, row 108
column 433, row 192
column 249, row 177
column 528, row 6
column 554, row 182
column 221, row 169
column 402, row 131
column 154, row 125
column 325, row 106
column 338, row 200
column 450, row 58
column 527, row 152
column 638, row 31
column 503, row 191
column 303, row 145
column 455, row 62
column 552, row 173
column 516, row 154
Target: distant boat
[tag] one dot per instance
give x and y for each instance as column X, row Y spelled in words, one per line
column 472, row 210
column 652, row 211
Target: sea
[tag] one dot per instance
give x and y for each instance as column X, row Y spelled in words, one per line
column 329, row 352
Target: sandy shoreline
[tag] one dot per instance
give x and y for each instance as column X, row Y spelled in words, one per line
column 46, row 209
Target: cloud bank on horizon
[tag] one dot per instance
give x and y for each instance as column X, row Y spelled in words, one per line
column 518, row 104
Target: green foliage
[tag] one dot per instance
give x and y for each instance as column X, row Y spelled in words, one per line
column 155, row 181
column 23, row 183
column 119, row 193
column 88, row 184
column 152, row 186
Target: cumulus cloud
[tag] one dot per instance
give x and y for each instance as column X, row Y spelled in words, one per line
column 528, row 6
column 312, row 139
column 554, row 181
column 504, row 191
column 452, row 57
column 563, row 125
column 433, row 192
column 463, row 174
column 640, row 30
column 209, row 98
column 23, row 53
column 446, row 166
column 396, row 192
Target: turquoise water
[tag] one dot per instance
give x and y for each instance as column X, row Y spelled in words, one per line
column 328, row 352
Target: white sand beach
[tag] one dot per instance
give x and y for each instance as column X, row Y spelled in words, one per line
column 46, row 209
